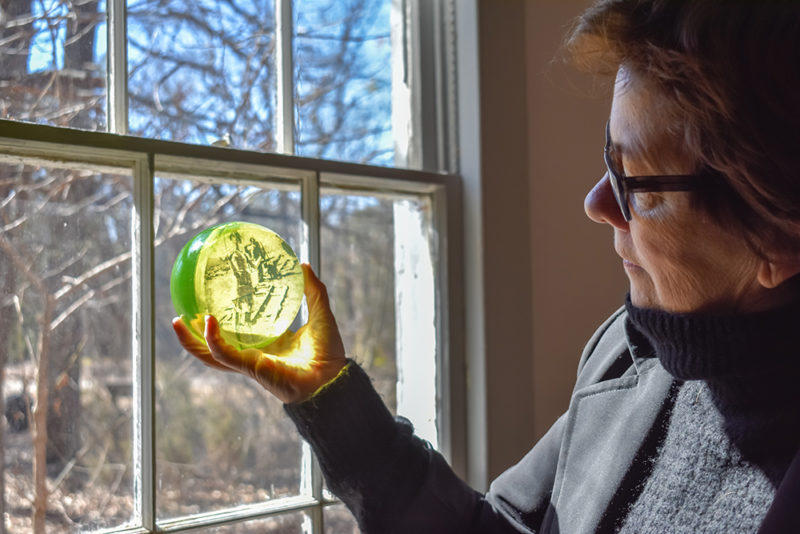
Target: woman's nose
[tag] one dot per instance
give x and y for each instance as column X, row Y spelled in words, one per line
column 601, row 206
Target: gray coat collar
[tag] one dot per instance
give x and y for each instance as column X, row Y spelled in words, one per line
column 607, row 422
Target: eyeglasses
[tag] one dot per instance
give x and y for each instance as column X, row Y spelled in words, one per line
column 624, row 185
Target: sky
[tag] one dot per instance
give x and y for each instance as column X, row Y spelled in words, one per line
column 316, row 33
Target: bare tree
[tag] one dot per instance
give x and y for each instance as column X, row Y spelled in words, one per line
column 343, row 85
column 46, row 278
column 198, row 70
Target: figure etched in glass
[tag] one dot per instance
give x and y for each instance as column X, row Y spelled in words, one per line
column 243, row 274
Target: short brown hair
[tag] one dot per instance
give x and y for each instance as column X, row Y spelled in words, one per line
column 730, row 73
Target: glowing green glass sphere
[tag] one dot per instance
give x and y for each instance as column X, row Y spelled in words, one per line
column 243, row 274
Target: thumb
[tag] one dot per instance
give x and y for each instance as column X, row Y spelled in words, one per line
column 321, row 325
column 319, row 307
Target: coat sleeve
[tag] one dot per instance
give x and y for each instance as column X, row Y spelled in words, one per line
column 391, row 480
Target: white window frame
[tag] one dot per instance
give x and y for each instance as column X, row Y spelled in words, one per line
column 426, row 32
column 145, row 158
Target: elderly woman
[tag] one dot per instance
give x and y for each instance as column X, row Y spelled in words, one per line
column 685, row 414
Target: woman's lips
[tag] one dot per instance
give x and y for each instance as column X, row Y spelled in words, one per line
column 623, row 252
column 629, row 264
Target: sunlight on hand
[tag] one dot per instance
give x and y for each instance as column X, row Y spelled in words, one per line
column 302, row 356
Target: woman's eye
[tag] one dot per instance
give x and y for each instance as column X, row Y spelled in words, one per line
column 646, row 201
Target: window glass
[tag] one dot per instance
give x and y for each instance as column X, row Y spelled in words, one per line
column 279, row 524
column 342, row 71
column 358, row 269
column 202, row 71
column 377, row 262
column 52, row 62
column 65, row 345
column 339, row 520
column 221, row 439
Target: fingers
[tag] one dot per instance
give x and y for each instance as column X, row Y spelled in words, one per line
column 186, row 338
column 247, row 361
column 273, row 373
column 193, row 345
column 217, row 353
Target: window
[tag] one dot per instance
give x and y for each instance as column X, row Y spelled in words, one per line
column 128, row 128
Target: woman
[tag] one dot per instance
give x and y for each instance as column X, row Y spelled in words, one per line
column 685, row 414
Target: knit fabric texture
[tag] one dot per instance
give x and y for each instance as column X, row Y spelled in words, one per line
column 733, row 428
column 699, row 482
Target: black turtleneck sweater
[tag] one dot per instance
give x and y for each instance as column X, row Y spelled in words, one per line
column 721, row 449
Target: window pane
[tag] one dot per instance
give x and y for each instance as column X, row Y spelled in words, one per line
column 339, row 520
column 342, row 70
column 202, row 69
column 65, row 311
column 221, row 440
column 281, row 524
column 52, row 62
column 377, row 261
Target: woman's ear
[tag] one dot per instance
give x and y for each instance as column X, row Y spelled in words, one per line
column 773, row 273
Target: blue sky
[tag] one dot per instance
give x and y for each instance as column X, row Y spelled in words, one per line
column 316, row 28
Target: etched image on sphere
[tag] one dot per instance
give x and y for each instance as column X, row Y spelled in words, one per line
column 243, row 274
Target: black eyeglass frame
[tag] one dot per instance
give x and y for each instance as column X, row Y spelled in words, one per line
column 623, row 185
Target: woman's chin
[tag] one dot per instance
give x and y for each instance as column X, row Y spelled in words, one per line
column 642, row 298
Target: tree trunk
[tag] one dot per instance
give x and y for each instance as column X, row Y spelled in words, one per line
column 40, row 419
column 7, row 289
column 64, row 413
column 65, row 369
column 79, row 56
column 14, row 57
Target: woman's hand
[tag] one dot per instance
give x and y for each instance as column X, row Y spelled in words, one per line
column 295, row 365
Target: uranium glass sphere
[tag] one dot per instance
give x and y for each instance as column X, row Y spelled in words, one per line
column 243, row 274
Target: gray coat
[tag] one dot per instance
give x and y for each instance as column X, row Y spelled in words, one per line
column 394, row 483
column 566, row 482
column 572, row 473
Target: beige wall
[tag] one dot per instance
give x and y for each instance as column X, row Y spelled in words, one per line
column 550, row 274
column 578, row 279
